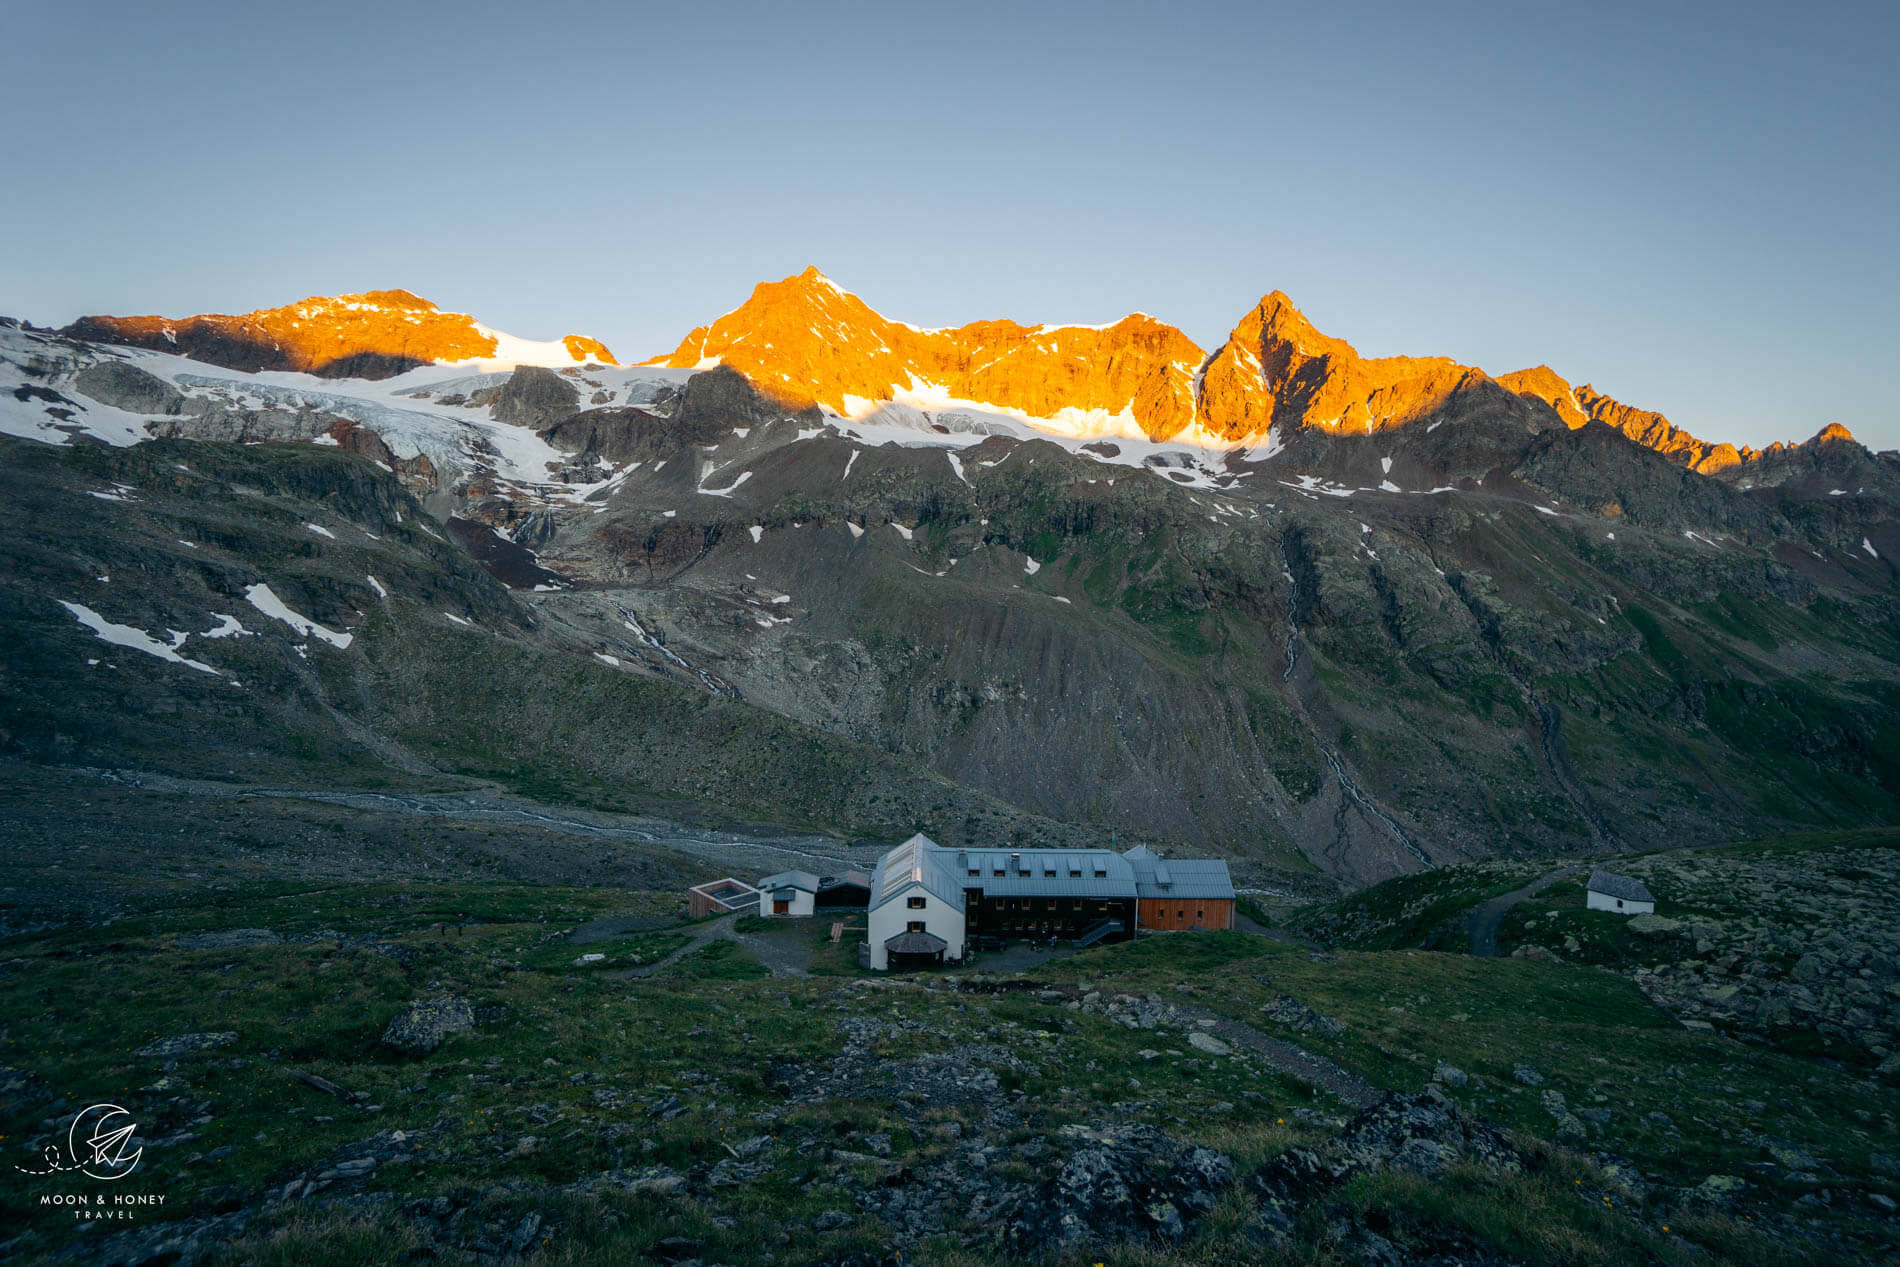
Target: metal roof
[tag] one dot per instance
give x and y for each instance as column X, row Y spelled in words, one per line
column 918, row 862
column 1198, row 879
column 915, row 943
column 1026, row 872
column 1619, row 886
column 791, row 880
column 857, row 878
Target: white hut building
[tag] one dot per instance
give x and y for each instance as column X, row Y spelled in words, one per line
column 916, row 912
column 791, row 893
column 1618, row 894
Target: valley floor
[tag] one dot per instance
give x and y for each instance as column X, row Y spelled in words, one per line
column 336, row 1053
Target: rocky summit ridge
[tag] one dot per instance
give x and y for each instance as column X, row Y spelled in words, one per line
column 373, row 335
column 813, row 342
column 806, row 341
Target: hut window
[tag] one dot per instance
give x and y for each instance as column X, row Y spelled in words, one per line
column 915, row 903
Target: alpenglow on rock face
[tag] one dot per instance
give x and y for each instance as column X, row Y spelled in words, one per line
column 808, row 341
column 373, row 335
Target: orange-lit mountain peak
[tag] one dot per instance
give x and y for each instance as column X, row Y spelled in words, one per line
column 1585, row 404
column 1540, row 382
column 372, row 334
column 1278, row 367
column 808, row 339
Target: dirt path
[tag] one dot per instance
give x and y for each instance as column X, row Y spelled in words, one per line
column 701, row 935
column 1293, row 1059
column 785, row 953
column 1487, row 917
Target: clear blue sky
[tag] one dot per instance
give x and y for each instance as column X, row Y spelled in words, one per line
column 1694, row 208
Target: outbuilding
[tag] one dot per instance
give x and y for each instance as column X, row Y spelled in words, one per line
column 793, row 893
column 1182, row 892
column 721, row 897
column 844, row 892
column 1618, row 893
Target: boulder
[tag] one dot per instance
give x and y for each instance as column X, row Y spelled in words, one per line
column 1719, row 1189
column 1209, row 1044
column 421, row 1027
column 1653, row 925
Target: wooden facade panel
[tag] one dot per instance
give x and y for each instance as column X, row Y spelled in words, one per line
column 1178, row 913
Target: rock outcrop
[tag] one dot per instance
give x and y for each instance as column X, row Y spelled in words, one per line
column 423, row 1026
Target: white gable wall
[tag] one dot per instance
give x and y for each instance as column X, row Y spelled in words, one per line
column 1616, row 905
column 938, row 916
column 802, row 904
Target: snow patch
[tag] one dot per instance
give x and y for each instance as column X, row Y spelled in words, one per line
column 377, row 586
column 260, row 597
column 321, row 531
column 757, row 531
column 136, row 639
column 227, row 627
column 728, row 490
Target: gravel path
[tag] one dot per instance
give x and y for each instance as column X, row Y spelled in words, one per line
column 700, row 935
column 1487, row 917
column 1293, row 1059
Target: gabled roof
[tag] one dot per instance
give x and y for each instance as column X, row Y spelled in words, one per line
column 1619, row 886
column 804, row 880
column 915, row 943
column 1199, row 879
column 918, row 862
column 849, row 879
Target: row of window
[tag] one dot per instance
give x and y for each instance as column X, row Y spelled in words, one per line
column 1049, row 873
